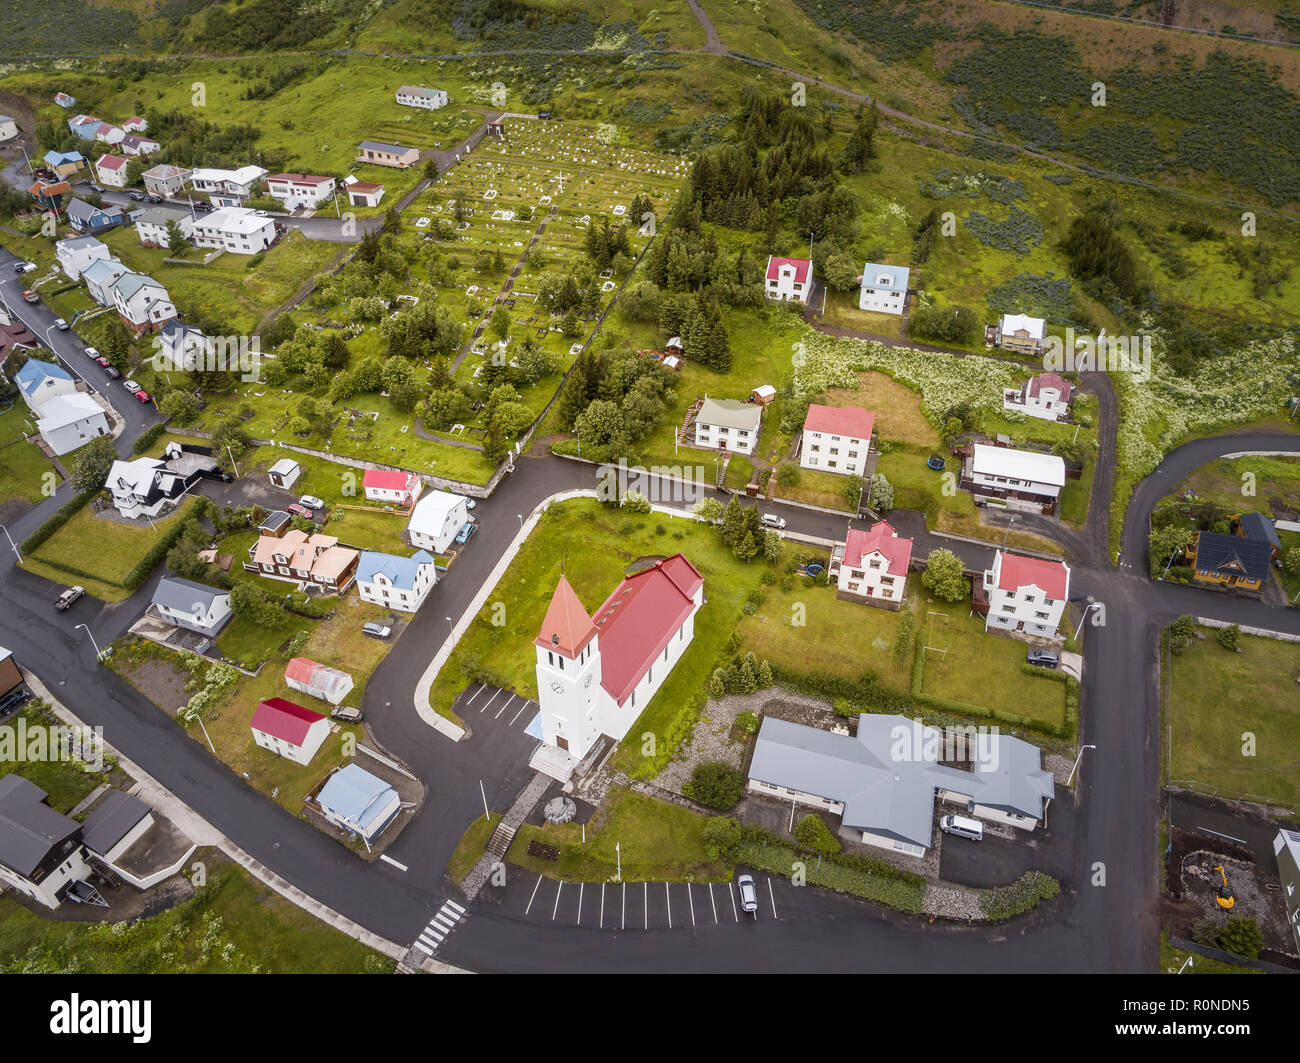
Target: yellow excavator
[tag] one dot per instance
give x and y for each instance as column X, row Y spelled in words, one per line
column 1223, row 895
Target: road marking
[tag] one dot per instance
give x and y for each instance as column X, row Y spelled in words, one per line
column 668, row 899
column 580, row 885
column 454, row 907
column 772, row 895
column 602, row 906
column 645, row 905
column 733, row 902
column 389, row 860
column 558, row 890
column 692, row 902
column 624, row 905
column 442, row 922
column 504, row 707
column 433, row 936
column 521, row 711
column 479, row 691
column 714, row 903
column 530, row 899
column 491, row 699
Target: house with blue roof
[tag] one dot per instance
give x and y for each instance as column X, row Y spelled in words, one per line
column 358, row 802
column 41, row 381
column 400, row 583
column 884, row 288
column 100, row 276
column 64, row 163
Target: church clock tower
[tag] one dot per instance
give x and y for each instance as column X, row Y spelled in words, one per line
column 568, row 674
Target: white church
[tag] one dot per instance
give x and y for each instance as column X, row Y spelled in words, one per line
column 597, row 672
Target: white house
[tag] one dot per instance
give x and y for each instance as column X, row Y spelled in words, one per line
column 728, row 424
column 111, row 170
column 109, row 134
column 100, row 275
column 1045, row 396
column 296, row 190
column 358, row 802
column 40, row 382
column 391, row 485
column 317, row 680
column 384, row 154
column 871, row 566
column 884, row 288
column 1013, row 479
column 136, row 145
column 884, row 781
column 788, row 279
column 181, row 347
column 1020, row 332
column 415, row 96
column 1286, row 848
column 597, row 672
column 400, row 583
column 77, row 252
column 67, row 422
column 151, row 225
column 436, row 519
column 836, row 439
column 8, row 128
column 142, row 302
column 1025, row 594
column 235, row 229
column 164, row 180
column 226, row 188
column 142, row 487
column 135, row 124
column 193, row 606
column 363, row 193
column 289, row 730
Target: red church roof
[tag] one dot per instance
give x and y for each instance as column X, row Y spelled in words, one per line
column 1017, row 571
column 284, row 720
column 851, row 421
column 801, row 268
column 637, row 621
column 567, row 627
column 882, row 538
column 387, row 480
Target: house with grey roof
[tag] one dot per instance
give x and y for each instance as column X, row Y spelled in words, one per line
column 76, row 253
column 884, row 781
column 728, row 424
column 884, row 288
column 1286, row 847
column 418, row 96
column 89, row 219
column 193, row 606
column 40, row 849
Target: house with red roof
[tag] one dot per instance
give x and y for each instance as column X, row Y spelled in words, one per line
column 1045, row 396
column 297, row 190
column 871, row 566
column 788, row 279
column 289, row 730
column 1023, row 594
column 836, row 439
column 391, row 485
column 597, row 672
column 111, row 170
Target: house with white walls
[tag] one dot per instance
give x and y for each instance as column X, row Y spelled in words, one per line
column 363, row 193
column 391, row 485
column 151, row 225
column 1023, row 594
column 142, row 303
column 1045, row 396
column 111, row 171
column 77, row 252
column 143, row 487
column 226, row 188
column 358, row 802
column 318, row 680
column 235, row 229
column 39, row 382
column 289, row 730
column 382, row 154
column 165, row 180
column 788, row 279
column 415, row 96
column 193, row 606
column 436, row 519
column 871, row 566
column 100, row 275
column 1020, row 333
column 1006, row 478
column 836, row 439
column 67, row 422
column 300, row 190
column 136, row 145
column 597, row 672
column 884, row 288
column 728, row 424
column 401, row 583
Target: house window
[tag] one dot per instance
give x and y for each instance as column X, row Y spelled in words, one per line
column 873, row 564
column 1041, row 616
column 815, row 448
column 1008, row 608
column 853, row 586
column 1029, row 597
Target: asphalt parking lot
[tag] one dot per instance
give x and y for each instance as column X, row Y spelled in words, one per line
column 484, row 705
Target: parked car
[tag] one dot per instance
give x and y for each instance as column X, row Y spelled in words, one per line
column 60, row 324
column 262, row 213
column 748, row 893
column 772, row 520
column 24, row 267
column 137, row 197
column 963, row 827
column 68, row 597
column 301, row 511
column 202, row 206
column 1042, row 658
column 154, row 199
column 131, row 386
column 97, row 188
column 101, row 361
column 376, row 631
column 466, row 531
column 344, row 714
column 112, row 373
column 470, row 503
column 311, row 502
column 92, row 353
column 143, row 396
column 31, row 296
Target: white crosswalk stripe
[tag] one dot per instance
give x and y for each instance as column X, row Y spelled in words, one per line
column 443, row 923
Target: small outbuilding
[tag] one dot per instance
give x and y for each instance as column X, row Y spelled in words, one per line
column 284, row 473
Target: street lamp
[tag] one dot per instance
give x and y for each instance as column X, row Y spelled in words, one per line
column 521, row 521
column 1186, row 963
column 98, row 655
column 1007, row 534
column 12, row 546
column 1076, row 764
column 451, row 627
column 1083, row 620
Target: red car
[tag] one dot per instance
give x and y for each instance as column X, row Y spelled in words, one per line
column 301, row 511
column 142, row 396
column 102, row 362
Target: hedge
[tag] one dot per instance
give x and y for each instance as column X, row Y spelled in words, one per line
column 148, row 438
column 41, row 534
column 836, row 874
column 1002, row 902
column 157, row 553
column 866, row 690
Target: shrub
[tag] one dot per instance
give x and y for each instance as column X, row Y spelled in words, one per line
column 1229, row 636
column 715, row 784
column 1002, row 902
column 721, row 837
column 1241, row 936
column 1180, row 634
column 1206, row 932
column 148, row 438
column 812, row 833
column 747, row 721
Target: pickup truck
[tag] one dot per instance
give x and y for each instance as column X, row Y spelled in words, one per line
column 68, row 597
column 31, row 296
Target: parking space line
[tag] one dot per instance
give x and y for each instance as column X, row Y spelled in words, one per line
column 491, row 699
column 691, row 900
column 580, row 904
column 504, row 707
column 624, row 905
column 558, row 890
column 481, row 687
column 714, row 903
column 771, row 895
column 530, row 899
column 645, row 906
column 669, row 901
column 520, row 712
column 733, row 902
column 602, row 906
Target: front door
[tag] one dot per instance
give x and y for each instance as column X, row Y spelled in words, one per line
column 563, row 743
column 1020, row 626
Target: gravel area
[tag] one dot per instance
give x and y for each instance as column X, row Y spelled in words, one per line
column 1249, row 885
column 953, row 902
column 1058, row 765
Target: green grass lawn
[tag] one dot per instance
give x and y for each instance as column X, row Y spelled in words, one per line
column 1215, row 698
column 233, row 925
column 657, row 842
column 24, row 471
column 1243, row 484
column 63, row 780
column 1172, row 960
column 963, row 663
column 96, row 553
column 837, row 637
column 818, row 488
column 472, row 845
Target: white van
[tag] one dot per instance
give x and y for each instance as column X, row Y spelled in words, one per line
column 962, row 827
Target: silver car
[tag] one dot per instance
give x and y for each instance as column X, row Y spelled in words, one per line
column 748, row 893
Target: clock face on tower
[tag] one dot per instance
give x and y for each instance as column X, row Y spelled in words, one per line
column 558, row 687
column 587, row 682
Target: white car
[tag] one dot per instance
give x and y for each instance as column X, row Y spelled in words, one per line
column 26, row 267
column 748, row 893
column 772, row 520
column 131, row 386
column 470, row 503
column 60, row 324
column 262, row 213
column 91, row 353
column 311, row 502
